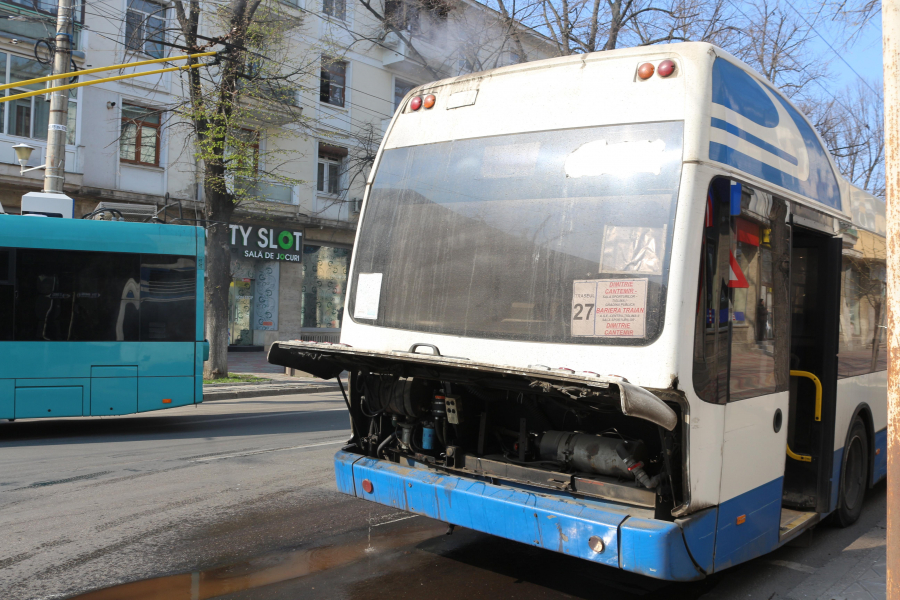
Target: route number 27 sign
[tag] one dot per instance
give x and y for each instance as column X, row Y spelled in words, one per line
column 609, row 308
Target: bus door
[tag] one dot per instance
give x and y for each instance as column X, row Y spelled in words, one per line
column 814, row 298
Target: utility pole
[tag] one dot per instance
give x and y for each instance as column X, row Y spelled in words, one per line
column 890, row 21
column 55, row 171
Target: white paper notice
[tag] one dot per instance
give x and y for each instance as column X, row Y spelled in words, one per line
column 609, row 308
column 368, row 293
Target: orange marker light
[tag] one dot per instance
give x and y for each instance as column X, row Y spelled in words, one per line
column 741, row 519
column 645, row 71
column 167, row 401
column 429, row 101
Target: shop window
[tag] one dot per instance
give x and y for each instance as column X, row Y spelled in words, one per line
column 335, row 8
column 401, row 89
column 140, row 135
column 862, row 341
column 741, row 338
column 168, row 298
column 324, row 286
column 145, row 26
column 332, row 89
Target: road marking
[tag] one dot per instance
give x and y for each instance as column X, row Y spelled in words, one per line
column 269, row 450
column 395, row 520
column 792, row 565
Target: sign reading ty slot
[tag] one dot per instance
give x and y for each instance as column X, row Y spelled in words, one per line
column 609, row 308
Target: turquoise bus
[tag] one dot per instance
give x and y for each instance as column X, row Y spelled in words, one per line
column 99, row 318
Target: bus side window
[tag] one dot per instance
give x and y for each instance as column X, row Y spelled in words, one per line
column 168, row 298
column 862, row 341
column 741, row 323
column 711, row 325
column 7, row 295
column 760, row 280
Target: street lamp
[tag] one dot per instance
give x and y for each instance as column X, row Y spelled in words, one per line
column 23, row 153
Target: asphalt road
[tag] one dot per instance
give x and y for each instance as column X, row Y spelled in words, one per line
column 236, row 499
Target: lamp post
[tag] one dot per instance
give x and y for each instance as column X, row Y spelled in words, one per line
column 23, row 153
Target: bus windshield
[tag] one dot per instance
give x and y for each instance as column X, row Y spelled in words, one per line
column 553, row 236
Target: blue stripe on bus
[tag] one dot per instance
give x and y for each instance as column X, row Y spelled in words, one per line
column 879, row 469
column 507, row 512
column 563, row 524
column 749, row 137
column 700, row 537
column 656, row 549
column 758, row 534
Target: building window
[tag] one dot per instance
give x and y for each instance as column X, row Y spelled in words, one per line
column 329, row 175
column 245, row 151
column 29, row 117
column 511, row 58
column 139, row 141
column 335, row 8
column 401, row 89
column 334, row 81
column 145, row 26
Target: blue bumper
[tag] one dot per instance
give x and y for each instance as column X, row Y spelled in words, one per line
column 563, row 524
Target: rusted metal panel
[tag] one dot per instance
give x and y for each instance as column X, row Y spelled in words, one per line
column 890, row 15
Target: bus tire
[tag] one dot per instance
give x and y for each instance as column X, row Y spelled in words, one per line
column 854, row 469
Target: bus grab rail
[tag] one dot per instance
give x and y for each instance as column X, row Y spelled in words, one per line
column 818, row 417
column 818, row 384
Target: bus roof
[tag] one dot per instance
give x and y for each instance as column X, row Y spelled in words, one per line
column 734, row 118
column 99, row 236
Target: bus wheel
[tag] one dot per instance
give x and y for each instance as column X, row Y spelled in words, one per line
column 854, row 468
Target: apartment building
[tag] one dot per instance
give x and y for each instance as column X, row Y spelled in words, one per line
column 125, row 151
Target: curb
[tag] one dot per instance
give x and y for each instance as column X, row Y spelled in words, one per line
column 258, row 393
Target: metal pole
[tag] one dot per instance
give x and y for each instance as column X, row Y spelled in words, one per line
column 57, row 131
column 890, row 19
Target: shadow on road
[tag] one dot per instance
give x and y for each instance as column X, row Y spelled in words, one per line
column 146, row 426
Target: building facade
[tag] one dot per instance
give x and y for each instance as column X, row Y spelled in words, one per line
column 291, row 245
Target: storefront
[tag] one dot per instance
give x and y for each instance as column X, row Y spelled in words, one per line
column 284, row 286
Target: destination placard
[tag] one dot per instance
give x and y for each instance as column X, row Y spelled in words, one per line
column 609, row 308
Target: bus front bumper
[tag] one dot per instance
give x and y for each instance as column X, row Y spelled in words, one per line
column 563, row 524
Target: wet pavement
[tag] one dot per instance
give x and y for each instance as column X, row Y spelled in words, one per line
column 237, row 500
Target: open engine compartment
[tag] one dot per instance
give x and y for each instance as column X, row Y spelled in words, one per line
column 559, row 432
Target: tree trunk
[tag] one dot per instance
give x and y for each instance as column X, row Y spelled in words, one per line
column 219, row 208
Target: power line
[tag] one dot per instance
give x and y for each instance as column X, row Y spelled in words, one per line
column 827, row 43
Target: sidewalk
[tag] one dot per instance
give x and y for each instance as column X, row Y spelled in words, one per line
column 276, row 384
column 859, row 572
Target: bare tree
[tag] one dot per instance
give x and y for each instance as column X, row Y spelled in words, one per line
column 253, row 89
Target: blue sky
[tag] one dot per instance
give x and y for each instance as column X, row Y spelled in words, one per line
column 864, row 55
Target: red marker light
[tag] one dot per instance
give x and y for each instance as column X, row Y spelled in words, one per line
column 429, row 100
column 367, row 486
column 645, row 71
column 665, row 68
column 415, row 103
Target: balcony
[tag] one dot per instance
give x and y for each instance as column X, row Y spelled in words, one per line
column 262, row 191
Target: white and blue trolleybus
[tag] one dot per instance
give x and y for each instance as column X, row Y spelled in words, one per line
column 620, row 306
